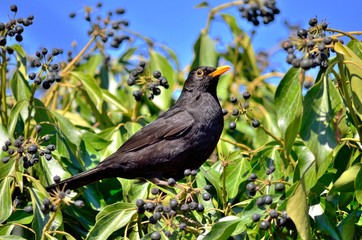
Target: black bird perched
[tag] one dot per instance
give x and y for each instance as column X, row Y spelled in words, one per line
column 181, row 138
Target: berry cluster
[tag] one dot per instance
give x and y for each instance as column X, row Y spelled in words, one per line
column 240, row 109
column 105, row 28
column 312, row 43
column 48, row 72
column 28, row 150
column 14, row 27
column 256, row 11
column 266, row 202
column 56, row 198
column 149, row 85
column 174, row 212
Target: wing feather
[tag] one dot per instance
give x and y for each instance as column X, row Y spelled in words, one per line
column 166, row 127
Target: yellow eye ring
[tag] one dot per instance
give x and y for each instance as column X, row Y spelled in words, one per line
column 199, row 73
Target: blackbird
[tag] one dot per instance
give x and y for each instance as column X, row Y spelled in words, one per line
column 181, row 138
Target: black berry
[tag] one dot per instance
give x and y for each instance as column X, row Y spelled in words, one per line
column 155, row 191
column 232, row 125
column 139, row 202
column 268, row 200
column 302, row 33
column 155, row 236
column 273, row 213
column 171, row 181
column 187, row 172
column 157, row 74
column 13, row 8
column 246, row 95
column 255, row 123
column 206, row 196
column 56, row 179
column 32, row 149
column 255, row 217
column 264, row 225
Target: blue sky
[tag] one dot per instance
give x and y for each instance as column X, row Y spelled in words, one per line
column 175, row 23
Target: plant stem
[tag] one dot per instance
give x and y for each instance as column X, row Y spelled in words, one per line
column 66, row 70
column 236, row 144
column 217, row 9
column 30, row 110
column 3, row 110
column 256, row 81
column 49, row 223
column 347, row 34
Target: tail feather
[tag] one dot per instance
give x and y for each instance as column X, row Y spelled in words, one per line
column 79, row 180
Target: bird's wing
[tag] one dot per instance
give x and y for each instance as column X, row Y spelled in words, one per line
column 166, row 127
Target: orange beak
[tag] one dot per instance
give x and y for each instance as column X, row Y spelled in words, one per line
column 219, row 71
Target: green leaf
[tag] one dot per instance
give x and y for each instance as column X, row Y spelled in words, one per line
column 20, row 217
column 235, row 173
column 91, row 87
column 110, row 98
column 67, row 128
column 91, row 65
column 353, row 64
column 110, row 219
column 358, row 186
column 20, row 58
column 324, row 220
column 159, row 62
column 347, row 226
column 14, row 115
column 288, row 101
column 322, row 103
column 346, row 182
column 205, row 52
column 133, row 191
column 125, row 57
column 20, row 86
column 5, row 199
column 233, row 25
column 11, row 238
column 202, row 5
column 213, row 177
column 297, row 210
column 223, row 229
column 356, row 47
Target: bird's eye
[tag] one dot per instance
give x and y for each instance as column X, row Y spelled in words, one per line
column 199, row 73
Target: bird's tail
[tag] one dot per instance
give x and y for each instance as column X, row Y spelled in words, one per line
column 79, row 180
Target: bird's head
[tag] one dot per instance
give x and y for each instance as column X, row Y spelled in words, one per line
column 204, row 79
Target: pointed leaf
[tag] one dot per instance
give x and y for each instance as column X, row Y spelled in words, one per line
column 358, row 186
column 288, row 99
column 297, row 210
column 354, row 74
column 20, row 59
column 202, row 5
column 110, row 98
column 110, row 219
column 159, row 62
column 223, row 229
column 205, row 52
column 91, row 87
column 235, row 173
column 14, row 115
column 20, row 86
column 5, row 199
column 67, row 128
column 322, row 103
column 346, row 182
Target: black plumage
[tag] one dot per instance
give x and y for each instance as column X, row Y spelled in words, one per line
column 181, row 138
